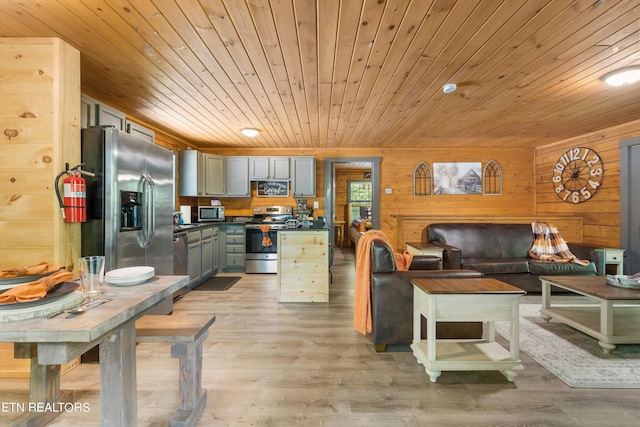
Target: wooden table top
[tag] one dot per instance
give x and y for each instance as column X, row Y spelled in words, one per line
column 128, row 302
column 596, row 286
column 465, row 286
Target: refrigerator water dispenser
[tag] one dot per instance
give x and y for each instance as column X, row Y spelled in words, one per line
column 130, row 210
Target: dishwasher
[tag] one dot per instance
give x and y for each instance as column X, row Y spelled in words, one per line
column 180, row 260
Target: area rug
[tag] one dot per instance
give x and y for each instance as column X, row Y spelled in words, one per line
column 573, row 356
column 221, row 283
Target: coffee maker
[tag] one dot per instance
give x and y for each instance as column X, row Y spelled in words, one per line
column 302, row 212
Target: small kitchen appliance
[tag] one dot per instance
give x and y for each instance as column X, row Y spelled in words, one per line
column 211, row 213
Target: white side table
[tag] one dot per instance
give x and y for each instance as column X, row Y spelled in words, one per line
column 425, row 249
column 466, row 300
column 614, row 256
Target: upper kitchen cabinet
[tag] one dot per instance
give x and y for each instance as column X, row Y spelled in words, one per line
column 303, row 176
column 238, row 184
column 268, row 168
column 107, row 116
column 213, row 175
column 139, row 131
column 87, row 111
column 200, row 174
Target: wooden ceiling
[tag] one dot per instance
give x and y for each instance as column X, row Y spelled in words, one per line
column 351, row 73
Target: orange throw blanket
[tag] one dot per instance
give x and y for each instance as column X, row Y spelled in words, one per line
column 32, row 270
column 266, row 240
column 362, row 319
column 34, row 290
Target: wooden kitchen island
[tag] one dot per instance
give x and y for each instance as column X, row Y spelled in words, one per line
column 303, row 265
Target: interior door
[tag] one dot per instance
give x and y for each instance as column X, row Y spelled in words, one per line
column 630, row 204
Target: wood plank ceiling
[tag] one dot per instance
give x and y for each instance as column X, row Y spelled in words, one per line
column 351, row 73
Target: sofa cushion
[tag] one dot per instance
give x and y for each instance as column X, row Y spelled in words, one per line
column 560, row 268
column 476, row 240
column 496, row 265
column 515, row 239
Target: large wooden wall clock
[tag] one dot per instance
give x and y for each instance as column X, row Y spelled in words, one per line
column 577, row 175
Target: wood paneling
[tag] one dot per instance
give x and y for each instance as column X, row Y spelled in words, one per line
column 601, row 214
column 333, row 74
column 40, row 121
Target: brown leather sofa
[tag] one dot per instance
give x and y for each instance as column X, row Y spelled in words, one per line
column 501, row 251
column 392, row 298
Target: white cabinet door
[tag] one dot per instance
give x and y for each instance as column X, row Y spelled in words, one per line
column 107, row 116
column 139, row 131
column 213, row 175
column 279, row 167
column 191, row 177
column 303, row 176
column 267, row 168
column 238, row 184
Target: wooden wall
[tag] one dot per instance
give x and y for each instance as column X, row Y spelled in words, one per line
column 601, row 214
column 40, row 123
column 396, row 173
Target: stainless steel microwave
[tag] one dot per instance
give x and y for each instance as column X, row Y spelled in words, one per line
column 210, row 213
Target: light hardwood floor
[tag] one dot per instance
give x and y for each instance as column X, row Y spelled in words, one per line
column 303, row 364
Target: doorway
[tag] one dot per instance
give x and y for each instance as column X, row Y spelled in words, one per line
column 331, row 165
column 630, row 204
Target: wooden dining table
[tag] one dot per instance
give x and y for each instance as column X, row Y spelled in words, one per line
column 62, row 338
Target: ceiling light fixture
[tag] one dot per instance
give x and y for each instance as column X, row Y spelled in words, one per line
column 449, row 87
column 622, row 76
column 250, row 132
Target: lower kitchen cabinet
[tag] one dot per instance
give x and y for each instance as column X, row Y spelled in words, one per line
column 303, row 266
column 232, row 246
column 206, row 270
column 194, row 244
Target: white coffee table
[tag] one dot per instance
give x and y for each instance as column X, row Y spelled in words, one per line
column 612, row 317
column 462, row 300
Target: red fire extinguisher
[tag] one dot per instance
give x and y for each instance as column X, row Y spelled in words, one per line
column 75, row 198
column 74, row 205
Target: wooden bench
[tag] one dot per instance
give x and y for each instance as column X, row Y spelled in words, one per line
column 186, row 333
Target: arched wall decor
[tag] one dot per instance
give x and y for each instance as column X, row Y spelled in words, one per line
column 492, row 179
column 422, row 180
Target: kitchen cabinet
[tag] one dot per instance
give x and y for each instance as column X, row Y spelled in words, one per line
column 87, row 111
column 107, row 116
column 238, row 184
column 200, row 174
column 213, row 175
column 139, row 131
column 194, row 245
column 206, row 265
column 268, row 168
column 303, row 266
column 303, row 176
column 232, row 245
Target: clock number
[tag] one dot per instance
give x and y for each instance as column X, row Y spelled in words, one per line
column 575, row 197
column 586, row 153
column 594, row 184
column 559, row 168
column 595, row 172
column 592, row 162
column 585, row 193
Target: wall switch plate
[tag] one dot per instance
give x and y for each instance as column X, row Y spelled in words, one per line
column 316, row 205
column 388, row 191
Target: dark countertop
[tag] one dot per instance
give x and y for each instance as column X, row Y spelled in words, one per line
column 193, row 225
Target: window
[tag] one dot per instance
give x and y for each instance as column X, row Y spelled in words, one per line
column 359, row 199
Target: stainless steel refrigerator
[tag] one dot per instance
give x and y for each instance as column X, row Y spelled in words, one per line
column 129, row 202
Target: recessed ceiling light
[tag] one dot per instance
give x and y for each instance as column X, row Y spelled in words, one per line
column 250, row 132
column 449, row 87
column 622, row 76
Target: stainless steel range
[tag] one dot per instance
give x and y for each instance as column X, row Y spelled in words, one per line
column 262, row 239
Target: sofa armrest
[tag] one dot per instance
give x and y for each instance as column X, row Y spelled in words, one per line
column 451, row 256
column 425, row 262
column 591, row 253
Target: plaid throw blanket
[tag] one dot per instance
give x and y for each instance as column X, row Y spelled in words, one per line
column 548, row 245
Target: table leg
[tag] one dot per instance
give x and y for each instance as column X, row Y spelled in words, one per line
column 606, row 324
column 44, row 389
column 118, row 388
